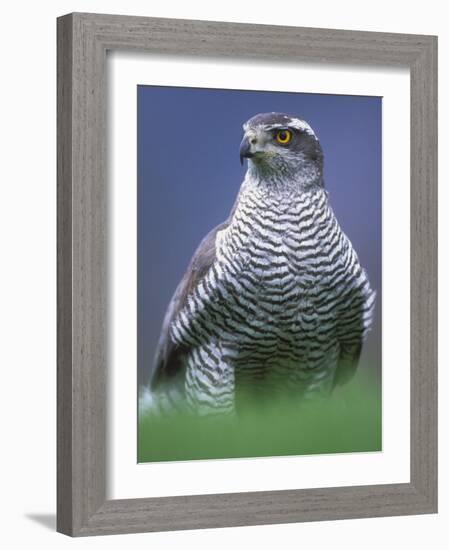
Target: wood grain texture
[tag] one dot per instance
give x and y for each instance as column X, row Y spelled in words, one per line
column 83, row 40
column 423, row 274
column 64, row 276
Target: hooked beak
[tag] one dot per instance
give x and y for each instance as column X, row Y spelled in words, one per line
column 245, row 149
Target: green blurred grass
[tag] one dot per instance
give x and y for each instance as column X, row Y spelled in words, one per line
column 350, row 421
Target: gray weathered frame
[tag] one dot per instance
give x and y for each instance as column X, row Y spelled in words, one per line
column 83, row 40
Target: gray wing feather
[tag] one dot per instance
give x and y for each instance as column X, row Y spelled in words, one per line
column 351, row 343
column 169, row 356
column 347, row 363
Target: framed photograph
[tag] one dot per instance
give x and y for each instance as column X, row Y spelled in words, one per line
column 247, row 282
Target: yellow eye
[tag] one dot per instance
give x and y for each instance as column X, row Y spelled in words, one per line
column 283, row 137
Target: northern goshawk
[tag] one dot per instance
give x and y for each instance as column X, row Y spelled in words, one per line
column 274, row 302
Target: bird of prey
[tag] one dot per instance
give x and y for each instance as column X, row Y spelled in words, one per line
column 274, row 302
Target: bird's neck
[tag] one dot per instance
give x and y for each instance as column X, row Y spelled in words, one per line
column 308, row 177
column 295, row 199
column 283, row 186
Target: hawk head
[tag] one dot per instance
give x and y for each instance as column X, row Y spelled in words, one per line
column 278, row 145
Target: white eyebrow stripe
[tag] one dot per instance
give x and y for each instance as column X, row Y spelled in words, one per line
column 296, row 123
column 273, row 126
column 301, row 125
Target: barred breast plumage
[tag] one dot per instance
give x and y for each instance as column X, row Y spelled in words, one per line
column 278, row 305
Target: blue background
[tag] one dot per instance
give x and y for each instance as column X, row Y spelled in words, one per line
column 189, row 175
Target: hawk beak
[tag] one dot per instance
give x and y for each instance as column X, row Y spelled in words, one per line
column 245, row 150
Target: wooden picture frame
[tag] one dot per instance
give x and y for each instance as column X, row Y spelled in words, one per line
column 83, row 40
